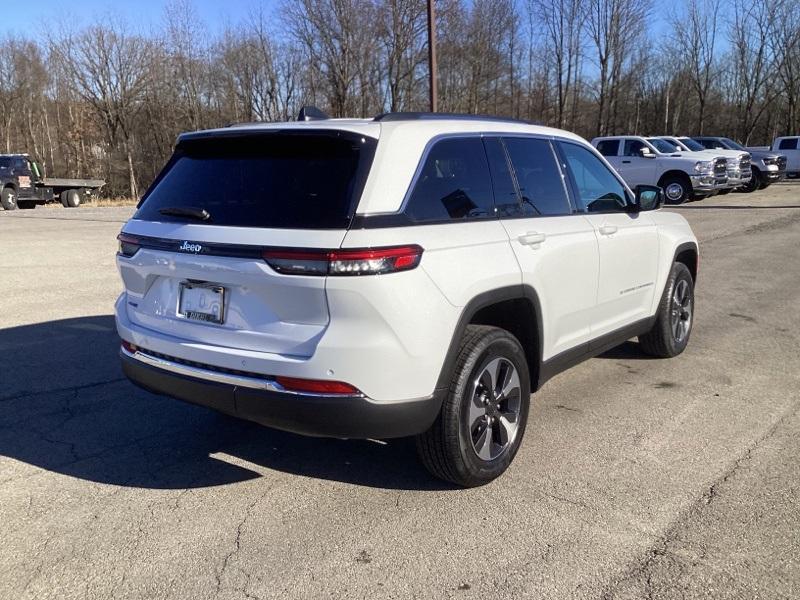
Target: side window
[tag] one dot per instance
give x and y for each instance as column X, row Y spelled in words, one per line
column 538, row 176
column 608, row 147
column 633, row 148
column 597, row 188
column 506, row 198
column 454, row 183
column 788, row 144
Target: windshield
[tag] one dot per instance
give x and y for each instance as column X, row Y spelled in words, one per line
column 733, row 145
column 298, row 180
column 663, row 146
column 692, row 145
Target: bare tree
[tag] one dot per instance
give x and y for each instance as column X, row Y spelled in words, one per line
column 561, row 21
column 403, row 29
column 338, row 38
column 751, row 85
column 697, row 34
column 614, row 27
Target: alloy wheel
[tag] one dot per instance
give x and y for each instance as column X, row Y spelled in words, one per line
column 494, row 409
column 681, row 311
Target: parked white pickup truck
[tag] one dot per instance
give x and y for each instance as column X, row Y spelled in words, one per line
column 643, row 161
column 790, row 147
column 739, row 168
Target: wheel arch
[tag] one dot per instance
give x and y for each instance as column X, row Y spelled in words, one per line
column 687, row 254
column 515, row 309
column 675, row 173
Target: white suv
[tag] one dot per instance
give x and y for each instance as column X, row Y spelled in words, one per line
column 412, row 274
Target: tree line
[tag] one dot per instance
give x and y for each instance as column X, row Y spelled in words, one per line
column 108, row 101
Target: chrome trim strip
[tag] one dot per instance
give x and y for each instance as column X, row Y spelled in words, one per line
column 226, row 378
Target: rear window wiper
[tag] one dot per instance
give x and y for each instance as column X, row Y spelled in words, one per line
column 201, row 214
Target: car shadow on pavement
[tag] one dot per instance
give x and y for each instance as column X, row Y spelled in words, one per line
column 65, row 406
column 628, row 350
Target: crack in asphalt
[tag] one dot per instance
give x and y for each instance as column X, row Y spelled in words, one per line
column 236, row 547
column 72, row 388
column 641, row 570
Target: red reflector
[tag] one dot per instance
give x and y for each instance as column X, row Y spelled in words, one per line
column 316, row 386
column 129, row 347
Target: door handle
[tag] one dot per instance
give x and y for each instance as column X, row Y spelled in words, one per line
column 532, row 238
column 626, row 162
column 608, row 229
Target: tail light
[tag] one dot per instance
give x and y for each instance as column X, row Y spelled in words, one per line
column 132, row 348
column 128, row 244
column 316, row 386
column 362, row 261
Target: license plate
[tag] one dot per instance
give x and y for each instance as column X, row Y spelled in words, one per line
column 202, row 302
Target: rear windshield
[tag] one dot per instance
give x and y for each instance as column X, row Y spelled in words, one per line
column 298, row 180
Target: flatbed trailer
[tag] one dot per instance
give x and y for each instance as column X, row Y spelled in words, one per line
column 23, row 185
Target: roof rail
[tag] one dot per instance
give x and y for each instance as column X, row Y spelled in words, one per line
column 420, row 116
column 311, row 113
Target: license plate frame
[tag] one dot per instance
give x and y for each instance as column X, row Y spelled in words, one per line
column 192, row 313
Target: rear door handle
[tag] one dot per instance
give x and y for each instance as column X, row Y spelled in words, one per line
column 608, row 229
column 531, row 238
column 626, row 162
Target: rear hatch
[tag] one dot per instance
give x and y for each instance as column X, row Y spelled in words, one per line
column 191, row 257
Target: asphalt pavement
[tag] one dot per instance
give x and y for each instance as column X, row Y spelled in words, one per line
column 637, row 478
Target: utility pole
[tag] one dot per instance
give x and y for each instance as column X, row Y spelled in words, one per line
column 432, row 66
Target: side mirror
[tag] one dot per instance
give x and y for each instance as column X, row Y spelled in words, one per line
column 648, row 197
column 645, row 152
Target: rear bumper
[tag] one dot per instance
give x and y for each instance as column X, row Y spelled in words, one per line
column 325, row 416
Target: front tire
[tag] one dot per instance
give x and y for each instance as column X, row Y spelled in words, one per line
column 670, row 333
column 677, row 189
column 8, row 198
column 483, row 418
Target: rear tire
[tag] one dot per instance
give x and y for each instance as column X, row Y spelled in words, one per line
column 71, row 198
column 677, row 189
column 8, row 198
column 674, row 318
column 482, row 420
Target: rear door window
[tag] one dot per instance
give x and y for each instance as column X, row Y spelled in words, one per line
column 453, row 184
column 538, row 177
column 608, row 147
column 297, row 180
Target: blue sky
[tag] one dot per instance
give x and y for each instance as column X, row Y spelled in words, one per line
column 25, row 18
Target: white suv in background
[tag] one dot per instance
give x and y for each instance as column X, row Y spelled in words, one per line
column 408, row 275
column 652, row 161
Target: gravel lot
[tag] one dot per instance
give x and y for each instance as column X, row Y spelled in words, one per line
column 638, row 478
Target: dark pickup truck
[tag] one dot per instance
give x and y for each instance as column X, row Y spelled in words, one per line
column 23, row 185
